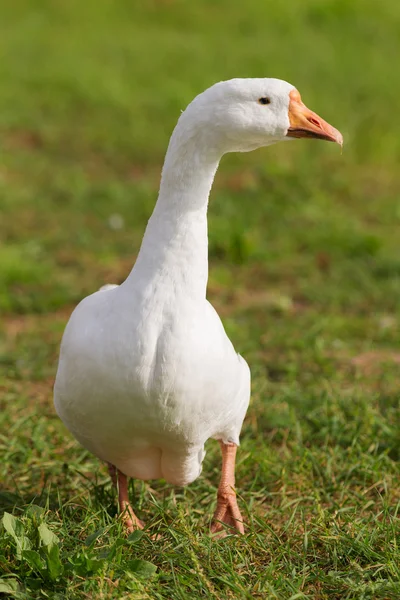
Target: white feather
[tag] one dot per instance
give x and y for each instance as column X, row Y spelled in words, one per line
column 147, row 373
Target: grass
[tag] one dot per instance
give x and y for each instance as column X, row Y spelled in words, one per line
column 304, row 269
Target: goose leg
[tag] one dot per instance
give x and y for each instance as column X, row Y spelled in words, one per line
column 113, row 474
column 130, row 519
column 227, row 511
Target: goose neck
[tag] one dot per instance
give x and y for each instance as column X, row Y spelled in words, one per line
column 174, row 250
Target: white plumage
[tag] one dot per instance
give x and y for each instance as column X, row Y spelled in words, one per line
column 147, row 373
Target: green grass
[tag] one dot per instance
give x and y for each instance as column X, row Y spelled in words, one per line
column 304, row 269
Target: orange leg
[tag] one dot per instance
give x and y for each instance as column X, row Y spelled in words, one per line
column 227, row 511
column 121, row 481
column 113, row 474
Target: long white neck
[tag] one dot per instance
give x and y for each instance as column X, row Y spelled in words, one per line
column 174, row 251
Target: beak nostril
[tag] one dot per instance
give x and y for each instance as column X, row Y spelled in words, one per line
column 314, row 122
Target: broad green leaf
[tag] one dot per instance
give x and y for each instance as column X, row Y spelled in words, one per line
column 10, row 524
column 15, row 529
column 54, row 565
column 94, row 565
column 34, row 511
column 34, row 560
column 143, row 568
column 47, row 537
column 135, row 536
column 8, row 586
column 93, row 536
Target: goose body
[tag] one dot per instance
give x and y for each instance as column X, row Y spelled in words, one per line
column 146, row 372
column 148, row 402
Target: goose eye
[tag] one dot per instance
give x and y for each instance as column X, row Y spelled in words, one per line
column 264, row 100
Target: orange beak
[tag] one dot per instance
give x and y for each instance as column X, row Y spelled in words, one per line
column 306, row 124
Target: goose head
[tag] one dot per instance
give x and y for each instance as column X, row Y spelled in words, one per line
column 240, row 115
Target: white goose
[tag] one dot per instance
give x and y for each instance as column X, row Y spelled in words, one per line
column 147, row 373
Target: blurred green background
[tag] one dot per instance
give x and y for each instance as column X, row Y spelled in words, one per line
column 90, row 93
column 304, row 267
